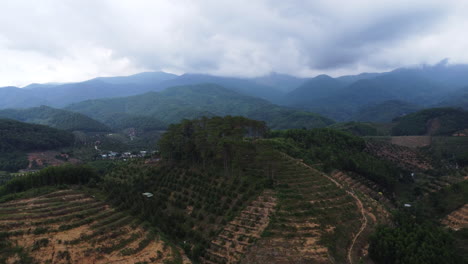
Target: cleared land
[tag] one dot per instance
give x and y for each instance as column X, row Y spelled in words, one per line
column 457, row 219
column 235, row 239
column 71, row 227
column 315, row 221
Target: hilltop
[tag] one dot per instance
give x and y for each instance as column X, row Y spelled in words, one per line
column 16, row 138
column 56, row 118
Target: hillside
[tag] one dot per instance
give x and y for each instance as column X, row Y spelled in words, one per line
column 313, row 90
column 458, row 98
column 425, row 86
column 434, row 121
column 384, row 112
column 16, row 138
column 240, row 85
column 14, row 97
column 281, row 82
column 177, row 103
column 59, row 95
column 228, row 190
column 57, row 118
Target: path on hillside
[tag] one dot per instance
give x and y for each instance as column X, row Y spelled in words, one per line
column 360, row 205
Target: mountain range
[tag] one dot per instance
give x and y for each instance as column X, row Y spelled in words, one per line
column 374, row 97
column 193, row 101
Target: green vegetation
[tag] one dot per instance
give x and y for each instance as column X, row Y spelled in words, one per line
column 188, row 102
column 434, row 121
column 439, row 204
column 357, row 128
column 4, row 177
column 210, row 171
column 68, row 174
column 120, row 121
column 452, row 149
column 385, row 112
column 334, row 149
column 56, row 118
column 17, row 138
column 413, row 241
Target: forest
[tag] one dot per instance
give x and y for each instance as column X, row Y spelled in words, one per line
column 18, row 137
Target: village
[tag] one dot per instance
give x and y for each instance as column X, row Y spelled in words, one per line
column 112, row 155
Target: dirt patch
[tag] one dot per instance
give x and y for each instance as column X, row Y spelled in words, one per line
column 412, row 141
column 38, row 160
column 239, row 234
column 102, row 239
column 458, row 219
column 403, row 156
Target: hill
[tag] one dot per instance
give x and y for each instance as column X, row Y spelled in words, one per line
column 59, row 95
column 121, row 121
column 57, row 118
column 11, row 97
column 384, row 112
column 228, row 190
column 459, row 98
column 149, row 78
column 425, row 86
column 16, row 138
column 313, row 90
column 242, row 86
column 281, row 82
column 434, row 121
column 177, row 103
column 359, row 129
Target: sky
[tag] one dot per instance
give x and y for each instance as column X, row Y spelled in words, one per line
column 73, row 40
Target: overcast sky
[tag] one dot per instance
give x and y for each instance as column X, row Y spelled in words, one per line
column 73, row 40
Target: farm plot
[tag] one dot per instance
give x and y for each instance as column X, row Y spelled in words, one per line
column 457, row 219
column 238, row 235
column 72, row 227
column 315, row 220
column 363, row 185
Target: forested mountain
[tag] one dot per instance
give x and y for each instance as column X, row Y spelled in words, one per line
column 63, row 94
column 458, row 98
column 434, row 121
column 13, row 97
column 120, row 121
column 57, row 118
column 343, row 98
column 148, row 78
column 424, row 86
column 242, row 86
column 384, row 112
column 281, row 82
column 313, row 90
column 17, row 137
column 59, row 95
column 177, row 103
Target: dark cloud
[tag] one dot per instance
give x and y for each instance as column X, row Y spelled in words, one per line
column 64, row 40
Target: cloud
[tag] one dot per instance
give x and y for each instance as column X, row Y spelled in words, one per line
column 67, row 40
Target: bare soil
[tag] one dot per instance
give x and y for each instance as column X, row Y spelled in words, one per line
column 55, row 245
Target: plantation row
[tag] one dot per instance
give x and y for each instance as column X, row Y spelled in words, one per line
column 79, row 229
column 239, row 234
column 314, row 219
column 188, row 205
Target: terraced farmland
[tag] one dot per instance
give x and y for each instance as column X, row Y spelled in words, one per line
column 457, row 219
column 71, row 227
column 315, row 220
column 235, row 239
column 363, row 185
